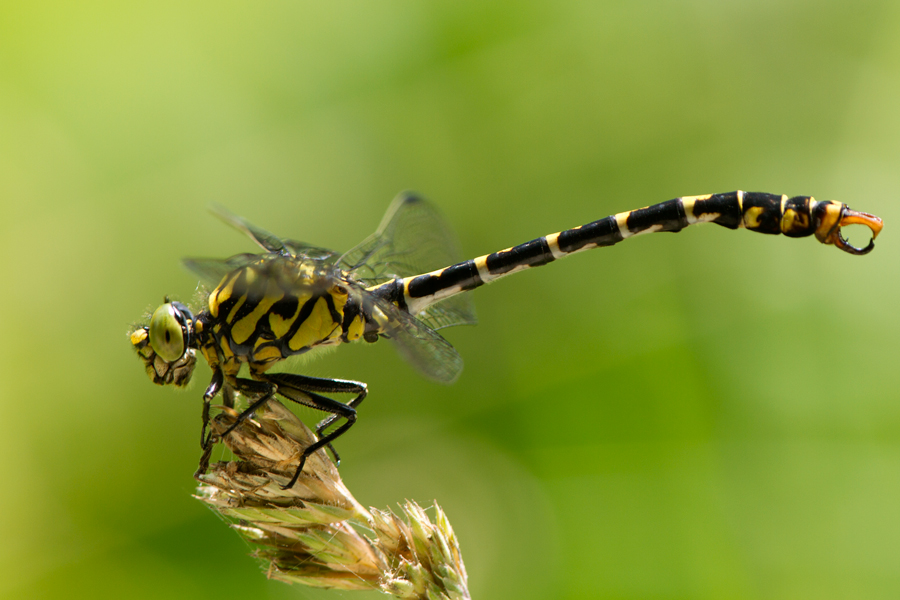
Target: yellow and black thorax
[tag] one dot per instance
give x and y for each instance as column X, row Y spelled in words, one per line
column 279, row 306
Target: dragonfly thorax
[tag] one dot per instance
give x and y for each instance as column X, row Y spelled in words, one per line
column 275, row 308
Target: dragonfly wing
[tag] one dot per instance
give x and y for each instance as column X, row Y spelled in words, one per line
column 412, row 239
column 266, row 240
column 421, row 346
column 271, row 242
column 308, row 251
column 212, row 270
column 453, row 311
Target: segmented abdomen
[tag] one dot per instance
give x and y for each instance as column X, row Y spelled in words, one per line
column 766, row 213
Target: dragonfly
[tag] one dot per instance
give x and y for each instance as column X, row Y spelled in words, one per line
column 403, row 283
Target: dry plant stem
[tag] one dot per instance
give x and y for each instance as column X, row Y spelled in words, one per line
column 316, row 533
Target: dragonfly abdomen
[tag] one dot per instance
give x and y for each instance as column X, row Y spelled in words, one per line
column 799, row 216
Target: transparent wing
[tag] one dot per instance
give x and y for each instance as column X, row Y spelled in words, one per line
column 266, row 240
column 269, row 241
column 291, row 274
column 456, row 310
column 421, row 346
column 303, row 250
column 412, row 239
column 212, row 270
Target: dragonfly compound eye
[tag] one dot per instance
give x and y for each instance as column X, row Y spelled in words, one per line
column 166, row 333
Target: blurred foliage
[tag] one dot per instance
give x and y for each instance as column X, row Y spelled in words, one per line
column 707, row 415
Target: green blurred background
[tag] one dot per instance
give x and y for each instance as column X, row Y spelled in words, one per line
column 707, row 415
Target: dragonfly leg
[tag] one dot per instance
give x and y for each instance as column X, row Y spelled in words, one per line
column 204, row 461
column 228, row 396
column 263, row 389
column 335, row 386
column 214, row 386
column 302, row 390
column 327, row 421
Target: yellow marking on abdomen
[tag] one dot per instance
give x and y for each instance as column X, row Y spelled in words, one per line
column 793, row 221
column 553, row 244
column 687, row 203
column 481, row 265
column 651, row 229
column 622, row 222
column 751, row 217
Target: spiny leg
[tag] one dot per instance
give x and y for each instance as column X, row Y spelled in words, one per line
column 214, row 386
column 328, row 386
column 263, row 389
column 228, row 399
column 293, row 390
column 206, row 441
column 203, row 466
column 246, row 386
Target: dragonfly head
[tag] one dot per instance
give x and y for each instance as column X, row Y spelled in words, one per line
column 165, row 345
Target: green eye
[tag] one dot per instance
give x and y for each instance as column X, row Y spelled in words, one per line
column 166, row 337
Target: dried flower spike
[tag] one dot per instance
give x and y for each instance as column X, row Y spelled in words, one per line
column 315, row 532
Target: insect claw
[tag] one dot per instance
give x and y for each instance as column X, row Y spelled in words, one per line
column 852, row 217
column 296, row 476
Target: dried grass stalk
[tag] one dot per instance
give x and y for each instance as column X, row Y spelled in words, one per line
column 316, row 533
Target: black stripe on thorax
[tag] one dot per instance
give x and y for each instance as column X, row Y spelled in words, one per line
column 238, row 290
column 245, row 309
column 305, row 311
column 464, row 274
column 533, row 254
column 286, row 307
column 351, row 311
column 332, row 309
column 604, row 232
column 253, row 293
